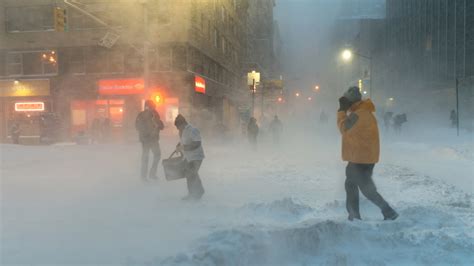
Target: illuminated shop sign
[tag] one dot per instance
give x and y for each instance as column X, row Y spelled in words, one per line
column 199, row 85
column 24, row 88
column 121, row 86
column 29, row 107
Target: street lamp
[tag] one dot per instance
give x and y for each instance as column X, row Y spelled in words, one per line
column 316, row 87
column 297, row 94
column 253, row 79
column 347, row 56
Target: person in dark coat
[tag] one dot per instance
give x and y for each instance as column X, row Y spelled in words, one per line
column 190, row 146
column 149, row 125
column 276, row 127
column 361, row 149
column 252, row 132
column 398, row 121
column 15, row 132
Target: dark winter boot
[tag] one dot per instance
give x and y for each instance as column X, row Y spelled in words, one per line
column 390, row 214
column 354, row 216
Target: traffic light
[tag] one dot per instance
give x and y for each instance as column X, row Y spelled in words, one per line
column 60, row 19
column 157, row 97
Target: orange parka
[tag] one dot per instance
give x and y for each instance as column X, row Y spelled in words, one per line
column 360, row 133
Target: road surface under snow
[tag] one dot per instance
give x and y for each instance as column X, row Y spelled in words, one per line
column 76, row 205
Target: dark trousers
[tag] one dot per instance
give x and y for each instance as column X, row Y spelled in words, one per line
column 154, row 147
column 359, row 176
column 253, row 141
column 195, row 187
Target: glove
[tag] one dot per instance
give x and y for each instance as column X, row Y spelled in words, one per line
column 344, row 104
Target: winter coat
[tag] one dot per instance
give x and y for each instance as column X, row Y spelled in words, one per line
column 148, row 125
column 360, row 133
column 252, row 129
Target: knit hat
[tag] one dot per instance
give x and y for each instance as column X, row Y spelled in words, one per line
column 353, row 94
column 180, row 120
column 150, row 104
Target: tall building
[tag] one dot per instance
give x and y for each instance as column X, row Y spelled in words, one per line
column 96, row 69
column 430, row 42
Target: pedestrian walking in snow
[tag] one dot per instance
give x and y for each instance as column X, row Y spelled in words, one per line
column 276, row 127
column 190, row 146
column 361, row 149
column 149, row 125
column 15, row 132
column 252, row 132
column 398, row 121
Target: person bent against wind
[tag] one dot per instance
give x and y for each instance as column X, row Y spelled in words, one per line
column 190, row 146
column 361, row 149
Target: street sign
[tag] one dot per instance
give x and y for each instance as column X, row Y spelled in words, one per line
column 109, row 40
column 253, row 76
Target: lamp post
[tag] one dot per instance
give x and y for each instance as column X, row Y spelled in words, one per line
column 253, row 79
column 347, row 55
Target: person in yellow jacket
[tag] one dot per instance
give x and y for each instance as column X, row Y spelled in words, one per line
column 361, row 149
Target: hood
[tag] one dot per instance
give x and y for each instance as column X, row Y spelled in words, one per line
column 364, row 105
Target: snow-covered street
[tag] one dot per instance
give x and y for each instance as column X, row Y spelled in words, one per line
column 76, row 205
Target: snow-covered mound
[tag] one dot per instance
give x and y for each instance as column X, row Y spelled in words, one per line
column 286, row 207
column 421, row 236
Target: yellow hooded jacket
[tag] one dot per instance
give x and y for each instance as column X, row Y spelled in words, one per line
column 360, row 133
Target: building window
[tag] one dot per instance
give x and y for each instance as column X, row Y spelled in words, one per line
column 14, row 64
column 159, row 12
column 223, row 14
column 29, row 18
column 216, row 38
column 76, row 61
column 32, row 63
column 161, row 61
column 110, row 14
column 99, row 60
column 179, row 58
column 224, row 46
column 2, row 64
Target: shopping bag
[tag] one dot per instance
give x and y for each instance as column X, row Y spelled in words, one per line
column 174, row 166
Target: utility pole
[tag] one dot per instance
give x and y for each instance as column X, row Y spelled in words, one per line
column 457, row 106
column 263, row 98
column 254, row 89
column 146, row 63
column 371, row 77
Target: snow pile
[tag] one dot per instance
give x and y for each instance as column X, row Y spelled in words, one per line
column 416, row 238
column 285, row 208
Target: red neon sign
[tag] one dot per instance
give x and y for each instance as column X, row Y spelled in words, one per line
column 199, row 85
column 121, row 86
column 29, row 107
